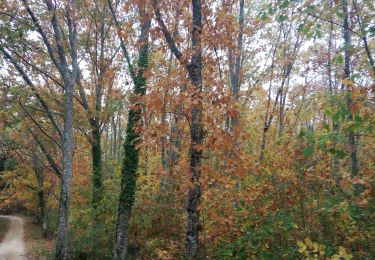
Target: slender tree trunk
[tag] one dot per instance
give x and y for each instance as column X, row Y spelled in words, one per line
column 349, row 101
column 266, row 124
column 196, row 133
column 43, row 213
column 106, row 156
column 335, row 124
column 235, row 78
column 264, row 140
column 119, row 139
column 131, row 152
column 194, row 68
column 96, row 147
column 41, row 198
column 96, row 155
column 114, row 139
column 174, row 146
column 166, row 163
column 163, row 140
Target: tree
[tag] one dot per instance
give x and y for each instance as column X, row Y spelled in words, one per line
column 346, row 84
column 101, row 62
column 68, row 78
column 194, row 68
column 131, row 152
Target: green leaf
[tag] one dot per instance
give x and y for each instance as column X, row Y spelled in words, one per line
column 263, row 17
column 340, row 154
column 308, row 151
column 285, row 4
column 357, row 118
column 310, row 9
column 271, row 11
column 282, row 18
column 339, row 59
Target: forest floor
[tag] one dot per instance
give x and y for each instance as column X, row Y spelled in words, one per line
column 12, row 247
column 37, row 247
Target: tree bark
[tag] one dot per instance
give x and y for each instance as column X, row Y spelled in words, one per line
column 97, row 166
column 349, row 101
column 196, row 133
column 131, row 152
column 60, row 60
column 69, row 79
column 194, row 68
column 335, row 124
column 41, row 197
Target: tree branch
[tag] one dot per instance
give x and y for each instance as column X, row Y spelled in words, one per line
column 122, row 43
column 167, row 35
column 33, row 88
column 42, row 33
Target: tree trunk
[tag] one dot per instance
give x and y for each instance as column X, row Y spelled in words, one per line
column 235, row 79
column 131, row 152
column 196, row 133
column 119, row 134
column 268, row 121
column 335, row 124
column 69, row 79
column 114, row 139
column 349, row 101
column 194, row 68
column 96, row 155
column 41, row 198
column 96, row 148
column 66, row 177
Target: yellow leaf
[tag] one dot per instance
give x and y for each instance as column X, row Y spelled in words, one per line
column 308, row 242
column 302, row 247
column 342, row 250
column 347, row 82
column 315, row 247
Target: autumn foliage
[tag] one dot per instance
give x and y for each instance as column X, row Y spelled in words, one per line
column 265, row 124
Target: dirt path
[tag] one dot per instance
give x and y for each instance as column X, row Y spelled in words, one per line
column 12, row 247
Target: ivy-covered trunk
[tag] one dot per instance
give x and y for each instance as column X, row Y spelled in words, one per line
column 128, row 183
column 131, row 152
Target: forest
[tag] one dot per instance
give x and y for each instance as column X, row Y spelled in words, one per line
column 187, row 129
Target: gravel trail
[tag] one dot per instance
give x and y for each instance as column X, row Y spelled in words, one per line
column 12, row 247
